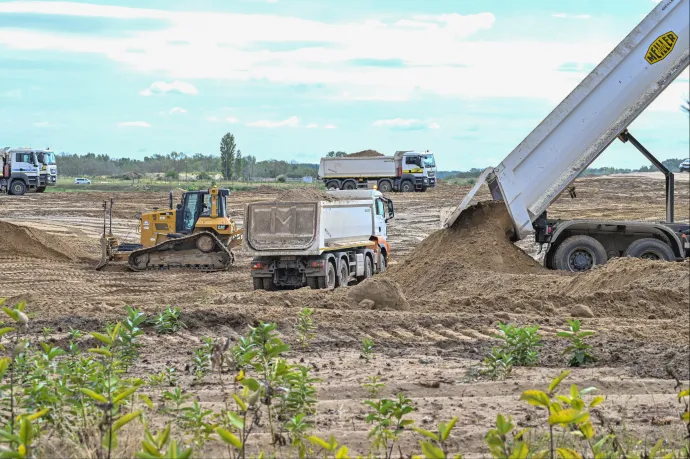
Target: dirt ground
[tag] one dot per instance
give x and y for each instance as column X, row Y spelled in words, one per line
column 457, row 290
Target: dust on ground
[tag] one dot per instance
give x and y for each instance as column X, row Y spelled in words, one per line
column 638, row 309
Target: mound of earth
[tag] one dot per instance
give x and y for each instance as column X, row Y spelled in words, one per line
column 23, row 241
column 305, row 194
column 478, row 241
column 365, row 153
column 379, row 293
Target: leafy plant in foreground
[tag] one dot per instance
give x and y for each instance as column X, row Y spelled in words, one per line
column 437, row 447
column 520, row 342
column 498, row 364
column 367, row 349
column 388, row 418
column 168, row 321
column 578, row 348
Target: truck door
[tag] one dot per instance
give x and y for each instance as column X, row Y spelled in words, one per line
column 24, row 163
column 380, row 219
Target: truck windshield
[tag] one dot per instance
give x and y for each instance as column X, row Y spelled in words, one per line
column 49, row 158
column 429, row 161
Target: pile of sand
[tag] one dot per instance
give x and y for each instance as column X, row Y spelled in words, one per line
column 365, row 153
column 23, row 241
column 478, row 241
column 306, row 194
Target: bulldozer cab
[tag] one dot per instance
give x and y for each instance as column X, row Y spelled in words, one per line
column 196, row 204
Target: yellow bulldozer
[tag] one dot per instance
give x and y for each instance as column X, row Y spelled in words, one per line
column 197, row 234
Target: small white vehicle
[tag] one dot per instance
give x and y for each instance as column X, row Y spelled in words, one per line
column 685, row 166
column 82, row 181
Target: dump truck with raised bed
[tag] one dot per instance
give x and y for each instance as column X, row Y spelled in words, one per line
column 596, row 113
column 405, row 171
column 322, row 244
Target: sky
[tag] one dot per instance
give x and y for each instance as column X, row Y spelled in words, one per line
column 294, row 79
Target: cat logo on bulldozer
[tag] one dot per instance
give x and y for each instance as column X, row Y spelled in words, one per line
column 661, row 47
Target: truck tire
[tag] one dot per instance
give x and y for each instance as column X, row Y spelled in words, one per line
column 368, row 269
column 258, row 283
column 651, row 249
column 17, row 188
column 268, row 283
column 579, row 253
column 385, row 186
column 333, row 185
column 40, row 189
column 407, row 186
column 349, row 185
column 328, row 281
column 382, row 262
column 343, row 275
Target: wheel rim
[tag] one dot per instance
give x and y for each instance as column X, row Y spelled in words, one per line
column 580, row 260
column 407, row 187
column 385, row 187
column 17, row 188
column 650, row 256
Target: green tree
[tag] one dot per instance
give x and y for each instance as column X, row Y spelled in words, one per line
column 238, row 163
column 227, row 155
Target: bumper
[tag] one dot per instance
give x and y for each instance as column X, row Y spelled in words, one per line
column 288, row 272
column 52, row 180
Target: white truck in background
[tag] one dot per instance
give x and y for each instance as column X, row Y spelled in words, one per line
column 49, row 170
column 321, row 244
column 596, row 113
column 405, row 171
column 21, row 171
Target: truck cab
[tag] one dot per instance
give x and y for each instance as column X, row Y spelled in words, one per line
column 417, row 169
column 20, row 171
column 49, row 167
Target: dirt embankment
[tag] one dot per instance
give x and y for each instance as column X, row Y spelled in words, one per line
column 22, row 241
column 365, row 153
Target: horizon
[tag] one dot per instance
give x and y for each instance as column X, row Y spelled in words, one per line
column 294, row 80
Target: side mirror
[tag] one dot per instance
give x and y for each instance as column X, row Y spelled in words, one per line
column 391, row 210
column 179, row 207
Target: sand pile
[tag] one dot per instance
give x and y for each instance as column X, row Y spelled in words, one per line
column 365, row 153
column 305, row 194
column 22, row 241
column 379, row 294
column 478, row 241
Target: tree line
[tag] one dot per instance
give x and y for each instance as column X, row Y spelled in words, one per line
column 230, row 163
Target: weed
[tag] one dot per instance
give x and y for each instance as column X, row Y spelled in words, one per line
column 580, row 350
column 373, row 386
column 367, row 349
column 498, row 365
column 168, row 321
column 520, row 342
column 305, row 328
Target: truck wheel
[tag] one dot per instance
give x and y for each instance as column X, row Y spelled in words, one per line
column 579, row 253
column 328, row 281
column 258, row 283
column 407, row 186
column 40, row 189
column 350, row 185
column 650, row 249
column 18, row 188
column 385, row 186
column 344, row 275
column 382, row 262
column 268, row 283
column 368, row 269
column 313, row 282
column 332, row 185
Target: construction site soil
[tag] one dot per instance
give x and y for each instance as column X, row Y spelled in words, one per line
column 451, row 289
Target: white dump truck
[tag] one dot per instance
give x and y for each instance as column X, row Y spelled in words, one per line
column 21, row 171
column 405, row 171
column 596, row 113
column 322, row 244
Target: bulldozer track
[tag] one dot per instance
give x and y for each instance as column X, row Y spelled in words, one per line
column 190, row 258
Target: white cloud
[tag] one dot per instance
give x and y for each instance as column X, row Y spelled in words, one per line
column 439, row 52
column 405, row 124
column 212, row 119
column 330, row 126
column 176, row 87
column 134, row 124
column 231, row 119
column 177, row 110
column 43, row 124
column 293, row 121
column 312, row 126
